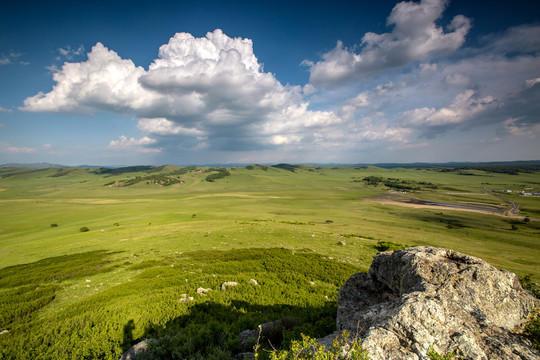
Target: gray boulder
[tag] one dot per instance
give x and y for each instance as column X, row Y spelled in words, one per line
column 422, row 297
column 136, row 349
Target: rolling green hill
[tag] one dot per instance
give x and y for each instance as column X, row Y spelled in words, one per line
column 157, row 234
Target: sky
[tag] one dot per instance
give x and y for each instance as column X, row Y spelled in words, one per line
column 220, row 82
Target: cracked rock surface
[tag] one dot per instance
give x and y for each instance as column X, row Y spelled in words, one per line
column 416, row 298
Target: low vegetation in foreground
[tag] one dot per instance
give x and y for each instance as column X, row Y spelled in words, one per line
column 95, row 260
column 177, row 299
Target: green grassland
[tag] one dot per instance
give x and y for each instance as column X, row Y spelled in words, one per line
column 157, row 234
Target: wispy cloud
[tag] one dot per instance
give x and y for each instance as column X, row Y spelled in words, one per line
column 10, row 58
column 68, row 53
column 7, row 148
column 132, row 144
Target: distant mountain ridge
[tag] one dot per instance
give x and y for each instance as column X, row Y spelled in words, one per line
column 44, row 165
column 460, row 164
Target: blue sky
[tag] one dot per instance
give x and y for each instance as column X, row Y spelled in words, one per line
column 174, row 82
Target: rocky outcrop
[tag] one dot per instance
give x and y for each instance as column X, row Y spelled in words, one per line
column 136, row 349
column 422, row 297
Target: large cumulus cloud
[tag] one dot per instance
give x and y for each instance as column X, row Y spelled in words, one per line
column 211, row 89
column 211, row 93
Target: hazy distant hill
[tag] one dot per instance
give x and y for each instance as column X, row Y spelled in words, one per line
column 46, row 165
column 33, row 165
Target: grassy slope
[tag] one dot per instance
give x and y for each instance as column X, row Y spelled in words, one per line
column 228, row 214
column 135, row 228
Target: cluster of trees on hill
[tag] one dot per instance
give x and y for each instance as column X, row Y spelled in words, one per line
column 183, row 170
column 126, row 169
column 397, row 184
column 262, row 167
column 495, row 168
column 217, row 173
column 163, row 180
column 287, row 167
column 166, row 179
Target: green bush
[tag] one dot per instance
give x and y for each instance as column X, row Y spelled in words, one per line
column 309, row 348
column 532, row 329
column 220, row 174
column 433, row 355
column 528, row 284
column 388, row 245
column 84, row 229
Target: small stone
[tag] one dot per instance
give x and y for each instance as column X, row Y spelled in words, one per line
column 226, row 284
column 253, row 282
column 202, row 291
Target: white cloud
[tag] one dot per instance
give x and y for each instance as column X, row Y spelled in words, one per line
column 69, row 53
column 210, row 93
column 105, row 82
column 7, row 148
column 162, row 126
column 531, row 82
column 139, row 145
column 484, row 86
column 9, row 58
column 211, row 89
column 3, row 109
column 458, row 79
column 520, row 39
column 282, row 139
column 516, row 127
column 415, row 36
column 463, row 108
column 349, row 107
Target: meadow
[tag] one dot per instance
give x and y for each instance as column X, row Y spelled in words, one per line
column 95, row 260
